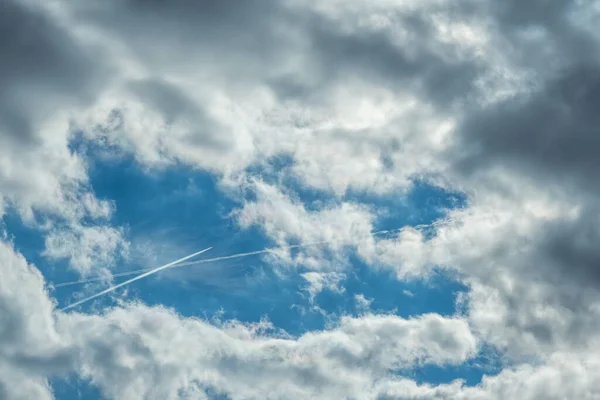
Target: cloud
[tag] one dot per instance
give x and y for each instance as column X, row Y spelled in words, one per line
column 42, row 63
column 228, row 119
column 87, row 248
column 31, row 348
column 284, row 218
column 362, row 303
column 493, row 99
column 47, row 74
column 318, row 281
column 564, row 376
column 243, row 364
column 44, row 70
column 152, row 352
column 550, row 132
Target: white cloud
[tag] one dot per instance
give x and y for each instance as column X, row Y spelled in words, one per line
column 87, row 248
column 284, row 218
column 318, row 281
column 151, row 352
column 158, row 354
column 362, row 303
column 30, row 346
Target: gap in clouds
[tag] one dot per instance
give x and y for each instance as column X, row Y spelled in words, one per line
column 387, row 294
column 29, row 241
column 180, row 209
column 74, row 388
column 174, row 211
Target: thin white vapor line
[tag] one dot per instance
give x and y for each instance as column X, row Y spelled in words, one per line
column 152, row 271
column 270, row 250
column 208, row 260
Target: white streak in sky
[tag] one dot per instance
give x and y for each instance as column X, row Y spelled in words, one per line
column 152, row 271
column 271, row 250
column 207, row 260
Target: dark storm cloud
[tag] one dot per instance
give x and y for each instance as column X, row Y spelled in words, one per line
column 541, row 36
column 373, row 57
column 552, row 137
column 184, row 32
column 249, row 39
column 573, row 246
column 41, row 66
column 552, row 134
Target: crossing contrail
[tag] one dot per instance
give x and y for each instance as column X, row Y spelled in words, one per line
column 152, row 271
column 251, row 253
column 209, row 260
column 206, row 260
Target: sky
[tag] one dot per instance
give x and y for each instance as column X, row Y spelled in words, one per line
column 415, row 182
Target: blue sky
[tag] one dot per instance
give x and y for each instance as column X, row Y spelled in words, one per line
column 182, row 210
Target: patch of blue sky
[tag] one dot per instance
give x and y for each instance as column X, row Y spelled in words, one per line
column 178, row 210
column 27, row 239
column 74, row 388
column 387, row 294
column 486, row 363
column 181, row 210
column 422, row 204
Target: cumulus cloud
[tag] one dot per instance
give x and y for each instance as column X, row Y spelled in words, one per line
column 87, row 248
column 309, row 85
column 47, row 75
column 318, row 281
column 493, row 99
column 31, row 346
column 151, row 352
column 285, row 218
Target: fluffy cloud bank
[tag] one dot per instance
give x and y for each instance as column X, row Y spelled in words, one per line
column 150, row 352
column 142, row 352
column 495, row 99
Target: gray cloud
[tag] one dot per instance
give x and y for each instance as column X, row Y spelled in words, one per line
column 550, row 137
column 251, row 42
column 42, row 68
column 552, row 133
column 186, row 31
column 530, row 291
column 546, row 136
column 374, row 57
column 545, row 34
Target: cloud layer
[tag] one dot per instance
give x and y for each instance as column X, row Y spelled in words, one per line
column 360, row 99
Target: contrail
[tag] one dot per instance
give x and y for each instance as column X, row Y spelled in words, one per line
column 271, row 250
column 207, row 260
column 152, row 271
